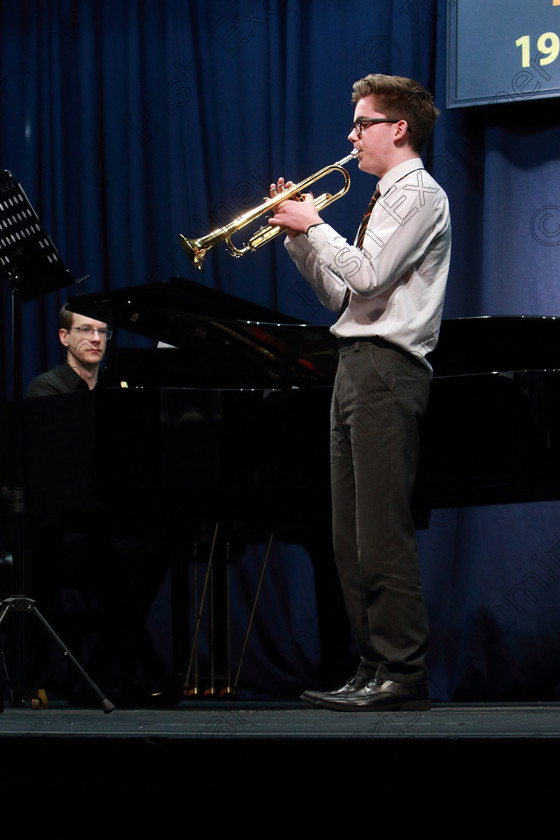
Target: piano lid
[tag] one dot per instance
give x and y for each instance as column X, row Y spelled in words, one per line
column 132, row 307
column 228, row 329
column 494, row 343
column 248, row 344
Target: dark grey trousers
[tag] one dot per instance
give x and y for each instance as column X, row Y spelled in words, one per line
column 380, row 396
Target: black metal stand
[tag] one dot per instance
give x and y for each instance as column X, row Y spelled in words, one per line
column 32, row 266
column 28, row 606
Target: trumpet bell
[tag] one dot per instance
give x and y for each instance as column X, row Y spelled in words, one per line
column 194, row 250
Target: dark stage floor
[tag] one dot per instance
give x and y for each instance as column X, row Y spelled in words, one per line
column 82, row 773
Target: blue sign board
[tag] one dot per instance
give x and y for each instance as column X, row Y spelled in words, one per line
column 502, row 51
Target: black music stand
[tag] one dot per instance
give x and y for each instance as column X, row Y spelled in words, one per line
column 31, row 265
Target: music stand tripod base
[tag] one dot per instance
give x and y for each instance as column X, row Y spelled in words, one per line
column 27, row 605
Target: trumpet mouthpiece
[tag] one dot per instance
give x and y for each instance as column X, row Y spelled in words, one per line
column 353, row 154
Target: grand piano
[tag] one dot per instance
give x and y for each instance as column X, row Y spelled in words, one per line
column 253, row 387
column 225, row 418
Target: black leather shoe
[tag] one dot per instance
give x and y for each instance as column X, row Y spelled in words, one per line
column 349, row 687
column 381, row 696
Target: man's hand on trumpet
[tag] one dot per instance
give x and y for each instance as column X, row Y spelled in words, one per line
column 296, row 216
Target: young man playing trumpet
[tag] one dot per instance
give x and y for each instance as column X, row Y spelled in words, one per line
column 389, row 288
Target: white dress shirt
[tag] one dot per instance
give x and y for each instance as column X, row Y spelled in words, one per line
column 398, row 280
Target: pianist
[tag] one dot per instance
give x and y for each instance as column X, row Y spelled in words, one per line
column 117, row 570
column 388, row 288
column 85, row 341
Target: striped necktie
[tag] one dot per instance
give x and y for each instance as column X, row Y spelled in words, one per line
column 360, row 241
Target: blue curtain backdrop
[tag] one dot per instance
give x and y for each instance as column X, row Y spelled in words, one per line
column 130, row 122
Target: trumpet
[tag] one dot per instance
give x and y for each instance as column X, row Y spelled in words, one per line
column 198, row 248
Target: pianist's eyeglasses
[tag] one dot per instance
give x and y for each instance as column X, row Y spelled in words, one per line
column 88, row 332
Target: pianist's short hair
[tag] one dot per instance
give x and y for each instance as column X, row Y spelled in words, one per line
column 65, row 318
column 400, row 98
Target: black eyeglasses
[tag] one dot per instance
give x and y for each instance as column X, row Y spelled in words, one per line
column 89, row 331
column 365, row 122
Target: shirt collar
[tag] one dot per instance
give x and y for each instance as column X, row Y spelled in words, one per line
column 397, row 172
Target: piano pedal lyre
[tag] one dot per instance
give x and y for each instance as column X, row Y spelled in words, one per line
column 230, row 688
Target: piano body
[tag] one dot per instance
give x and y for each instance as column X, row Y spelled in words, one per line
column 261, row 382
column 231, row 422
